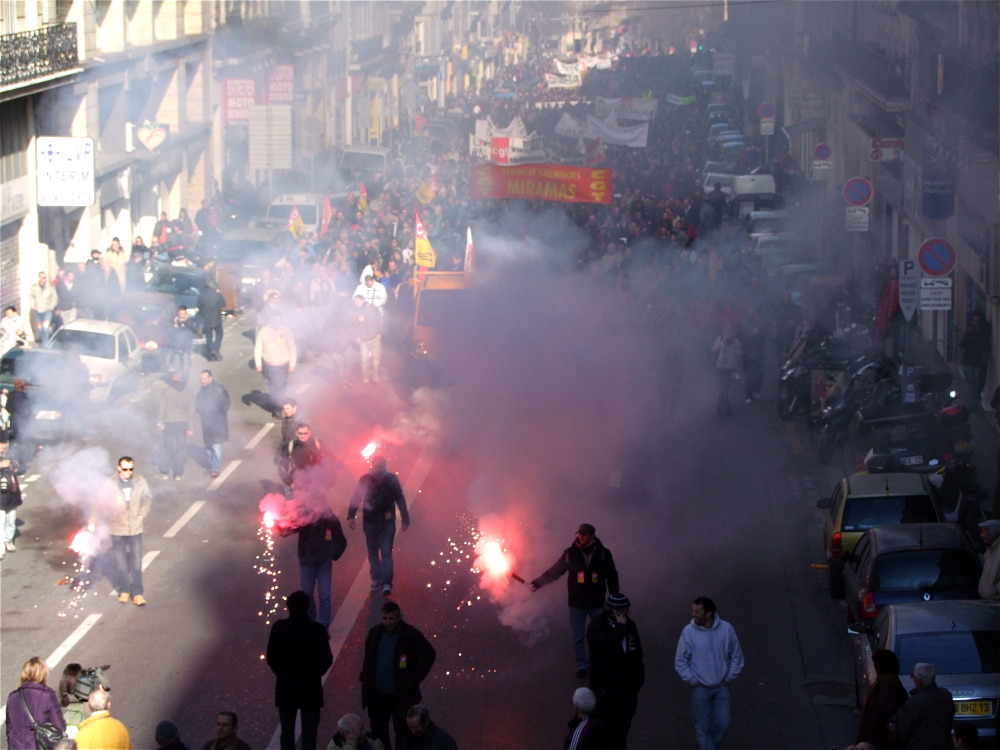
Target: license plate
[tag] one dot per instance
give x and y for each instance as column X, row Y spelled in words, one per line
column 911, row 460
column 973, row 708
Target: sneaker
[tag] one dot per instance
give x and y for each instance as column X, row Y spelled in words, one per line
column 581, row 674
column 123, row 597
column 387, row 591
column 164, row 476
column 10, row 546
column 139, row 600
column 215, row 473
column 178, row 478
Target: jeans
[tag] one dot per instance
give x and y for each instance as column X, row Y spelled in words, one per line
column 179, row 360
column 975, row 379
column 213, row 341
column 371, row 358
column 214, row 452
column 310, row 727
column 710, row 708
column 318, row 577
column 174, row 448
column 725, row 381
column 128, row 563
column 9, row 524
column 277, row 381
column 578, row 623
column 379, row 538
column 44, row 320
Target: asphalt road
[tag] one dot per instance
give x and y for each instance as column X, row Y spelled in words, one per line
column 701, row 505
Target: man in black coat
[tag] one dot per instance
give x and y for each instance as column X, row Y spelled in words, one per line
column 617, row 671
column 298, row 652
column 925, row 720
column 210, row 306
column 212, row 404
column 592, row 575
column 397, row 659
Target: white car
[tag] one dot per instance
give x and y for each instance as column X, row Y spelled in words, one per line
column 109, row 350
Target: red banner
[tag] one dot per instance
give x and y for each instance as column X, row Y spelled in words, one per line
column 542, row 182
column 238, row 96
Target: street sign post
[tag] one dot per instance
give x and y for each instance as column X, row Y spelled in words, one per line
column 858, row 191
column 856, row 219
column 937, row 257
column 909, row 287
column 767, row 112
column 935, row 293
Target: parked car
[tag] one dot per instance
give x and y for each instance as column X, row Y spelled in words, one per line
column 960, row 638
column 779, row 249
column 758, row 223
column 109, row 350
column 149, row 314
column 864, row 501
column 906, row 563
column 183, row 283
column 58, row 392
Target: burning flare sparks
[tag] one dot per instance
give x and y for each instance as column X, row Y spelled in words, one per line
column 369, row 450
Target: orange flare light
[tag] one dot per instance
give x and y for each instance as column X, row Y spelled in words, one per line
column 369, row 450
column 268, row 520
column 494, row 560
column 84, row 543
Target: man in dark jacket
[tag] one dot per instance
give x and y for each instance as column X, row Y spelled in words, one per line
column 397, row 659
column 592, row 576
column 210, row 306
column 212, row 404
column 182, row 331
column 424, row 733
column 617, row 671
column 585, row 731
column 10, row 496
column 298, row 652
column 379, row 493
column 925, row 719
column 321, row 541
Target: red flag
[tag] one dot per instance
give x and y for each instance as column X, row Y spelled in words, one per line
column 327, row 215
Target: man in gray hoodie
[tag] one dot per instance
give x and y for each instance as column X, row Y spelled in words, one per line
column 708, row 658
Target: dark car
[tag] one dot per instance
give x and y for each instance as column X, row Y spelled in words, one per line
column 182, row 283
column 242, row 256
column 960, row 638
column 57, row 394
column 149, row 314
column 906, row 563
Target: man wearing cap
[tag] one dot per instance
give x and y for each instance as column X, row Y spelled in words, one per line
column 616, row 669
column 989, row 580
column 168, row 735
column 592, row 576
column 708, row 658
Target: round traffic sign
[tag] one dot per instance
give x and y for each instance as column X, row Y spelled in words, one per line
column 766, row 110
column 936, row 257
column 858, row 191
column 822, row 151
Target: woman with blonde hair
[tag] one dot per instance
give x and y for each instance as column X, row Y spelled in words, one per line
column 42, row 701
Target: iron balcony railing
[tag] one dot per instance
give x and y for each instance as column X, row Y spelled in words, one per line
column 28, row 55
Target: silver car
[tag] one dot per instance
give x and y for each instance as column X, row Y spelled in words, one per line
column 960, row 638
column 109, row 350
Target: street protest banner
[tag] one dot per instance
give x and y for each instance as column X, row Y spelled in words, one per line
column 634, row 136
column 627, row 108
column 544, row 182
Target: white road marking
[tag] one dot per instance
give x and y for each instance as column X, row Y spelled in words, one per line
column 259, row 436
column 217, row 482
column 188, row 515
column 57, row 656
column 148, row 558
column 31, row 478
column 347, row 613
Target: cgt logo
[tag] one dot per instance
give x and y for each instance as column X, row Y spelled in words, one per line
column 151, row 135
column 500, row 151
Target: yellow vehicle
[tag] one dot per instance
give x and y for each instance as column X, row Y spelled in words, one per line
column 438, row 300
column 864, row 501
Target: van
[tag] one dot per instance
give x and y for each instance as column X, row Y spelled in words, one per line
column 753, row 192
column 438, row 299
column 310, row 206
column 364, row 162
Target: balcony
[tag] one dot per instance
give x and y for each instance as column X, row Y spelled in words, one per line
column 30, row 55
column 884, row 78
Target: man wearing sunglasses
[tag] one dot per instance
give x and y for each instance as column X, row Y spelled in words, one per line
column 132, row 503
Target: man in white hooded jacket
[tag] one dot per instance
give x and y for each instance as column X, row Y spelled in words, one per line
column 708, row 658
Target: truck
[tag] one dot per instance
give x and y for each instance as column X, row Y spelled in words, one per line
column 438, row 298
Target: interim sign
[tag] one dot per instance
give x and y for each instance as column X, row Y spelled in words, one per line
column 65, row 171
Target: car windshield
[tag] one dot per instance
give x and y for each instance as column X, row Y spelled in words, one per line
column 281, row 212
column 862, row 513
column 85, row 343
column 173, row 282
column 956, row 652
column 926, row 570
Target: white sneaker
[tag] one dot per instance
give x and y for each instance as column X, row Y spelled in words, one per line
column 10, row 546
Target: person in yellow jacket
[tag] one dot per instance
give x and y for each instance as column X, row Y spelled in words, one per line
column 101, row 731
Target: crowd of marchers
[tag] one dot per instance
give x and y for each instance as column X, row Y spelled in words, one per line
column 673, row 252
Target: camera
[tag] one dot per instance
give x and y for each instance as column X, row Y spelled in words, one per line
column 88, row 679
